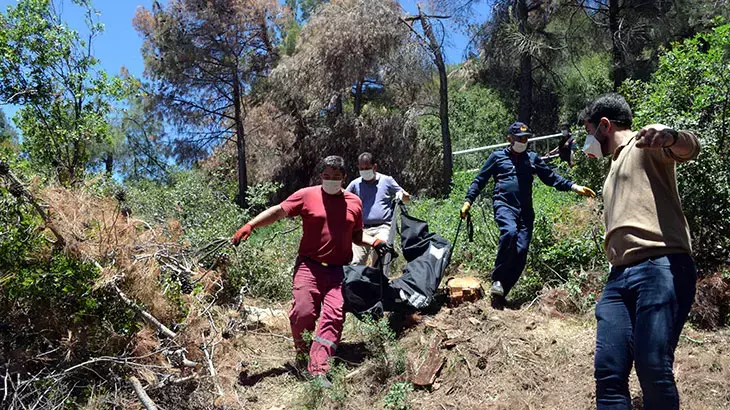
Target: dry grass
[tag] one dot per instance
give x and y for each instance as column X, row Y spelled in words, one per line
column 712, row 304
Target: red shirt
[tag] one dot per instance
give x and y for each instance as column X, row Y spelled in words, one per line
column 328, row 222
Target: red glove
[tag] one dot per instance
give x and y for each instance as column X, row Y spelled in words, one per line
column 242, row 234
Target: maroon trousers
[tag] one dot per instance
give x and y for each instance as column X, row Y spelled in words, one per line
column 317, row 294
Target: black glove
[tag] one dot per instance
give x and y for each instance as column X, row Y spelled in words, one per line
column 382, row 248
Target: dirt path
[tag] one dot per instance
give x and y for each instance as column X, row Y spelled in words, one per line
column 523, row 359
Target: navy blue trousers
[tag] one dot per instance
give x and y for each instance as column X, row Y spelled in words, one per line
column 640, row 317
column 515, row 233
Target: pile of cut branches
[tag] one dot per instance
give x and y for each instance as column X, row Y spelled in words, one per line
column 179, row 335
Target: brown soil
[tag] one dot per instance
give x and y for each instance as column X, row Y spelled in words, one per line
column 511, row 359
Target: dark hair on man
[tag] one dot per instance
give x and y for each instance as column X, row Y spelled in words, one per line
column 366, row 157
column 333, row 161
column 612, row 106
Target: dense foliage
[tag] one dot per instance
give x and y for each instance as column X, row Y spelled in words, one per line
column 48, row 69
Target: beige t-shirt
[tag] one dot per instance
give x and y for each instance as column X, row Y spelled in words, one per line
column 642, row 210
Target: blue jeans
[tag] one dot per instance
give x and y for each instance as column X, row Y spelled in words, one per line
column 515, row 232
column 640, row 317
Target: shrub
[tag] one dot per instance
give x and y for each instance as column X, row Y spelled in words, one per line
column 263, row 265
column 477, row 118
column 587, row 78
column 47, row 295
column 381, row 342
column 190, row 198
column 568, row 238
column 397, row 397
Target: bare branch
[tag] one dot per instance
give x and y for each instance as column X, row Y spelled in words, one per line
column 146, row 315
column 18, row 94
column 142, row 394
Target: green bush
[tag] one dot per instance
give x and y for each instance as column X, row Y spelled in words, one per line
column 590, row 172
column 587, row 78
column 568, row 238
column 691, row 90
column 381, row 342
column 263, row 266
column 190, row 198
column 397, row 397
column 45, row 295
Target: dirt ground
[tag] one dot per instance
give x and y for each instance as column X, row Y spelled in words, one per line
column 511, row 359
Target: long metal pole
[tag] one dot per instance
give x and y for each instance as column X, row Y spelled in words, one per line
column 488, row 147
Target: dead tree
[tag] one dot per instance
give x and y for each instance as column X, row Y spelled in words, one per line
column 430, row 43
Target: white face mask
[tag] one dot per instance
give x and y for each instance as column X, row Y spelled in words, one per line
column 332, row 186
column 367, row 174
column 519, row 147
column 565, row 133
column 592, row 147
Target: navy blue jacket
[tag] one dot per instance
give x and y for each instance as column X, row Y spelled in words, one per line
column 513, row 175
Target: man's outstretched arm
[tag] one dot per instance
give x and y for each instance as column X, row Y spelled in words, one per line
column 265, row 218
column 551, row 178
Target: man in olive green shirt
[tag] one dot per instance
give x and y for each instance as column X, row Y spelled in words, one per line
column 651, row 286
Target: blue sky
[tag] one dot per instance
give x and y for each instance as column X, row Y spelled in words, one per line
column 120, row 44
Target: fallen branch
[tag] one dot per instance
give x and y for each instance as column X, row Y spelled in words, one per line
column 18, row 190
column 145, row 314
column 178, row 380
column 211, row 368
column 699, row 342
column 354, row 373
column 128, row 361
column 143, row 397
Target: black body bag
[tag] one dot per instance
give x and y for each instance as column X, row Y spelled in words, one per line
column 367, row 291
column 427, row 255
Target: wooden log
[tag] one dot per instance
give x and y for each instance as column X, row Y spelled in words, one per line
column 426, row 375
column 142, row 394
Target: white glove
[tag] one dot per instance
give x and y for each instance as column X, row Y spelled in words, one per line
column 399, row 196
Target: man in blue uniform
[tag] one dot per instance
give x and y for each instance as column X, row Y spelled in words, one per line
column 513, row 169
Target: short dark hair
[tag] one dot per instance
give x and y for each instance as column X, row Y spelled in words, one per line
column 333, row 161
column 612, row 106
column 366, row 157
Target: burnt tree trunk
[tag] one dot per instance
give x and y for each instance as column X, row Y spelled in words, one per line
column 240, row 142
column 524, row 111
column 438, row 59
column 109, row 164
